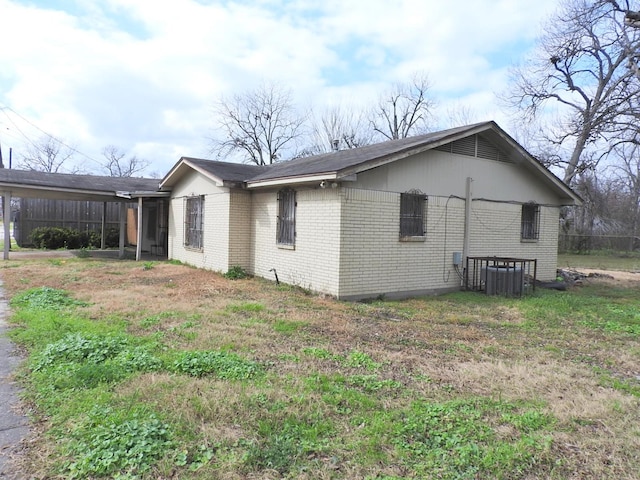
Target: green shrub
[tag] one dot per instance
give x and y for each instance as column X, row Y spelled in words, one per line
column 111, row 237
column 54, row 238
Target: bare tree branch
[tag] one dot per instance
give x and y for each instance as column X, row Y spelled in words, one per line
column 258, row 125
column 338, row 128
column 46, row 155
column 582, row 66
column 404, row 110
column 117, row 165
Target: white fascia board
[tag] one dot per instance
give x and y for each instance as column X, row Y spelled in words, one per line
column 290, row 180
column 21, row 187
column 182, row 163
column 541, row 169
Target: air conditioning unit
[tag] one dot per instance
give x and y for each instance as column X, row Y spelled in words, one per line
column 503, row 280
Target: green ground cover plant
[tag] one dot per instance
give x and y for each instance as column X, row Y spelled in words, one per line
column 174, row 372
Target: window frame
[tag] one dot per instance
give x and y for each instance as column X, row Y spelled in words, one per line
column 530, row 222
column 413, row 215
column 194, row 222
column 286, row 218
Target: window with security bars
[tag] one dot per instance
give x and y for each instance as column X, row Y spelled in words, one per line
column 530, row 229
column 286, row 234
column 194, row 221
column 412, row 214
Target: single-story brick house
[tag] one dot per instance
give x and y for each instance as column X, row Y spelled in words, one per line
column 396, row 218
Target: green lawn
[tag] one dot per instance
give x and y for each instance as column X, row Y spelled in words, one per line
column 14, row 245
column 159, row 370
column 626, row 261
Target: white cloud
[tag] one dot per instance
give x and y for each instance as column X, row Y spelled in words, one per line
column 144, row 75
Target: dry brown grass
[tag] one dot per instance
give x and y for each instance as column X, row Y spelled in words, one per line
column 436, row 347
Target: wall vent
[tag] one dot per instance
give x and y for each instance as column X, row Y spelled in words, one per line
column 474, row 146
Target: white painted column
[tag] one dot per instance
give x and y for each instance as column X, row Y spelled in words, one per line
column 103, row 242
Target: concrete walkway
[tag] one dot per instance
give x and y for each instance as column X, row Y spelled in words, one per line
column 13, row 426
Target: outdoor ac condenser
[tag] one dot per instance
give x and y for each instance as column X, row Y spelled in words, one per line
column 502, row 280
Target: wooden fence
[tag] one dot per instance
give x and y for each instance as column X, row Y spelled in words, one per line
column 78, row 215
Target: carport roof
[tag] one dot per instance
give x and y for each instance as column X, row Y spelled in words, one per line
column 26, row 183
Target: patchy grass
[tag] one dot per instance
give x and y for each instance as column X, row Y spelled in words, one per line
column 625, row 261
column 173, row 372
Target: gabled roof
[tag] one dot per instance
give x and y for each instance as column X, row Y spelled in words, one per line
column 347, row 162
column 344, row 165
column 27, row 183
column 222, row 173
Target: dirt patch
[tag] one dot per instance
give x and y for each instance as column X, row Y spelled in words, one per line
column 615, row 277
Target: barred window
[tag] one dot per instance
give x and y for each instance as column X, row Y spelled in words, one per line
column 412, row 214
column 286, row 234
column 530, row 229
column 194, row 221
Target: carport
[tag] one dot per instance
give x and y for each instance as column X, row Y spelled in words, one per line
column 62, row 186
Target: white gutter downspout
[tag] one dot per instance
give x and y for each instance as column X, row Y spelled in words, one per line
column 467, row 223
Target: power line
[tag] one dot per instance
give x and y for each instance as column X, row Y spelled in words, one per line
column 52, row 137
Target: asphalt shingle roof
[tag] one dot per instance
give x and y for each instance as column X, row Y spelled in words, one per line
column 233, row 172
column 92, row 183
column 344, row 159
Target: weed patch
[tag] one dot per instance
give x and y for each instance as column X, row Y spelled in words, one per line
column 110, row 444
column 44, row 298
column 236, row 273
column 225, row 365
column 457, row 440
column 283, row 446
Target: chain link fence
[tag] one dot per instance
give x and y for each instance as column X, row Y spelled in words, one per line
column 574, row 243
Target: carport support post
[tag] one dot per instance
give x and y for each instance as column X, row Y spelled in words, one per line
column 139, row 233
column 123, row 227
column 103, row 243
column 6, row 202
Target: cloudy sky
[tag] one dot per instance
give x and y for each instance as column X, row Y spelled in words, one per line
column 143, row 75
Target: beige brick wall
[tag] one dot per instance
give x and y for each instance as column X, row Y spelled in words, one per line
column 215, row 254
column 347, row 239
column 373, row 259
column 495, row 231
column 313, row 262
column 240, row 229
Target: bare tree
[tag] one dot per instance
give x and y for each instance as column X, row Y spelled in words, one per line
column 338, row 128
column 458, row 114
column 631, row 20
column 117, row 165
column 259, row 125
column 582, row 69
column 403, row 110
column 627, row 172
column 46, row 155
